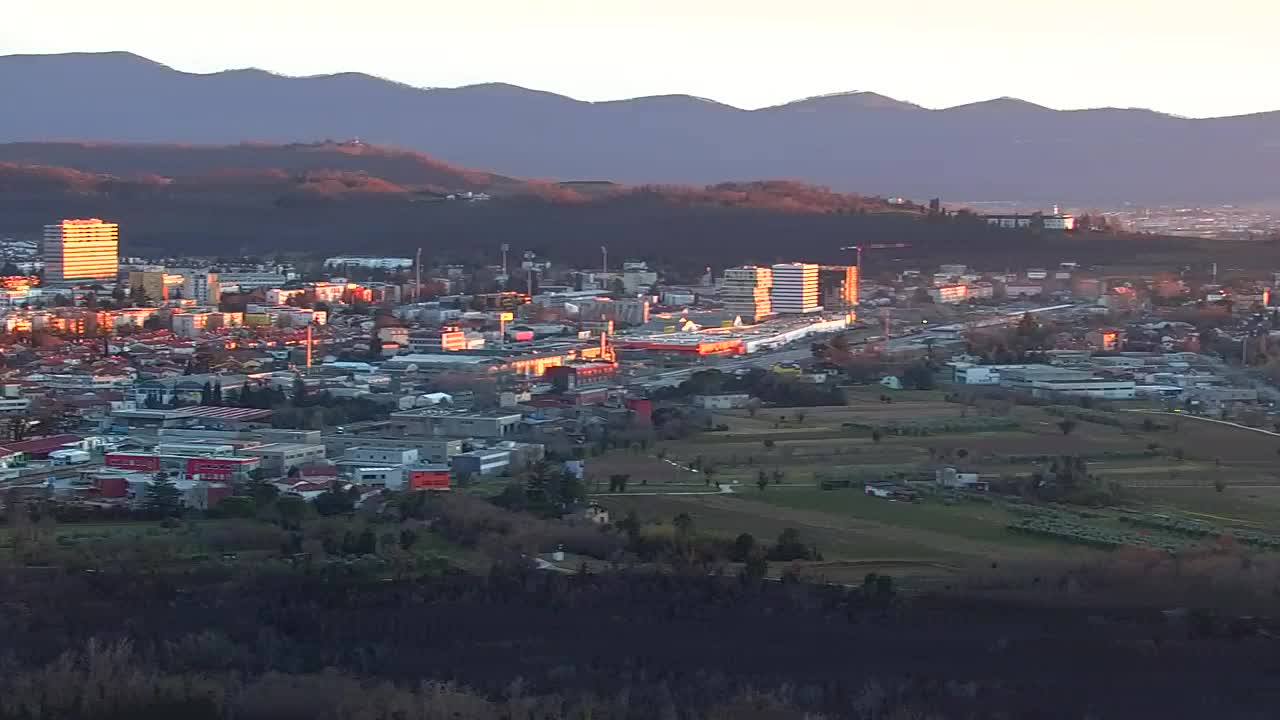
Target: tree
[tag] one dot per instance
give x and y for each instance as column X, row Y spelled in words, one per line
column 876, row 435
column 336, row 501
column 237, row 506
column 800, row 415
column 918, row 376
column 762, row 481
column 163, row 498
column 1219, row 484
column 291, row 510
column 778, row 475
column 709, row 472
column 743, row 547
column 1066, row 425
column 618, row 482
column 684, row 526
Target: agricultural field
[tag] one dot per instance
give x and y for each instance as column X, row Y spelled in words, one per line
column 1175, row 466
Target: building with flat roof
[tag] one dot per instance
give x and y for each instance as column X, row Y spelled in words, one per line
column 278, row 458
column 838, row 286
column 795, row 289
column 369, row 262
column 203, row 287
column 81, row 251
column 745, row 292
column 431, row 422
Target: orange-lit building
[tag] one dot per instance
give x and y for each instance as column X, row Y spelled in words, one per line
column 81, row 251
column 728, row 346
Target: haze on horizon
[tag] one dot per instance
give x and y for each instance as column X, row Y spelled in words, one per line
column 1181, row 58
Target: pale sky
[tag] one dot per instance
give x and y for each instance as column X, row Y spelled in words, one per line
column 1190, row 57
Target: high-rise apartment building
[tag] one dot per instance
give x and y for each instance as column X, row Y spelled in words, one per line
column 202, row 287
column 795, row 288
column 81, row 251
column 745, row 292
column 838, row 286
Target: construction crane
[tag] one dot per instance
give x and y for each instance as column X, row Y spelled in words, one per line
column 878, row 246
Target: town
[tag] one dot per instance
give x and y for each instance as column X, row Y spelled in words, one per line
column 372, row 375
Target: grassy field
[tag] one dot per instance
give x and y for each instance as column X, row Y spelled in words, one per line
column 1170, row 468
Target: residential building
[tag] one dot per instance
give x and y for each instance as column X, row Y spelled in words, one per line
column 369, row 262
column 446, row 339
column 81, row 251
column 149, row 284
column 745, row 292
column 202, row 287
column 245, row 281
column 949, row 294
column 795, row 289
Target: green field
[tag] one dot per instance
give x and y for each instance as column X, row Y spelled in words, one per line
column 1169, row 466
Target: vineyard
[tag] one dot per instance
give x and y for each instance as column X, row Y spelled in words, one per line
column 1198, row 529
column 1064, row 528
column 936, row 426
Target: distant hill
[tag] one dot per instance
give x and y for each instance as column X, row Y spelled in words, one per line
column 1003, row 149
column 327, row 198
column 340, row 170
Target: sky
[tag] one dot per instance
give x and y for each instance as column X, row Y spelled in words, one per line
column 1196, row 58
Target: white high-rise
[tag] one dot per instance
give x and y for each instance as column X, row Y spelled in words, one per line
column 795, row 288
column 202, row 287
column 81, row 251
column 745, row 292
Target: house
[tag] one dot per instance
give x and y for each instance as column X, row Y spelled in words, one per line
column 587, row 513
column 722, row 401
column 950, row 477
column 889, row 491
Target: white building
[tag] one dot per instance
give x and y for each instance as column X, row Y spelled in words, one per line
column 202, row 287
column 949, row 294
column 369, row 262
column 795, row 288
column 745, row 292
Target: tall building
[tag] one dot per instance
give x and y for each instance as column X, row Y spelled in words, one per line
column 81, row 251
column 838, row 286
column 149, row 284
column 202, row 287
column 795, row 288
column 745, row 292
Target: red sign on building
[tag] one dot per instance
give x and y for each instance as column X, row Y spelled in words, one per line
column 224, row 468
column 429, row 479
column 132, row 461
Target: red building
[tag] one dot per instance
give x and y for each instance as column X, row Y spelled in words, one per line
column 429, row 477
column 212, row 469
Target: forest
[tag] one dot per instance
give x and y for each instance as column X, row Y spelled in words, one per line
column 379, row 614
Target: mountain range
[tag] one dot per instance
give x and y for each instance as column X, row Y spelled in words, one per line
column 999, row 150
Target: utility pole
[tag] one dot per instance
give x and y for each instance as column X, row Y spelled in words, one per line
column 417, row 276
